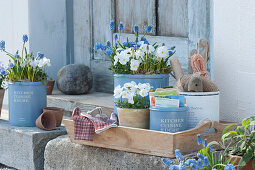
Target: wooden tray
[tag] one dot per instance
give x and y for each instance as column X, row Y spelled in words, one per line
column 148, row 141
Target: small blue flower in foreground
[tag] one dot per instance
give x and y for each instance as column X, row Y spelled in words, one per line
column 199, row 163
column 205, row 143
column 170, row 53
column 108, row 52
column 112, row 25
column 97, row 46
column 148, row 29
column 116, row 37
column 3, row 72
column 199, row 139
column 145, row 41
column 229, row 167
column 206, row 161
column 199, row 155
column 2, row 45
column 172, row 48
column 178, row 155
column 16, row 56
column 167, row 162
column 103, row 47
column 11, row 65
column 120, row 26
column 174, row 167
column 40, row 55
column 25, row 38
column 108, row 44
column 136, row 28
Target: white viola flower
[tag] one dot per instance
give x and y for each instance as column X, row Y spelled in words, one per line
column 43, row 62
column 151, row 49
column 143, row 93
column 143, row 48
column 131, row 100
column 139, row 54
column 162, row 52
column 124, row 94
column 124, row 58
column 131, row 87
column 144, row 86
column 134, row 65
column 117, row 91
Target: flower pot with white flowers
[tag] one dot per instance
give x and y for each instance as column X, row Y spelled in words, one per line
column 137, row 60
column 3, row 74
column 27, row 89
column 132, row 105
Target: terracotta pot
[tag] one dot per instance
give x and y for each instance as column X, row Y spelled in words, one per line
column 248, row 166
column 57, row 112
column 1, row 99
column 50, row 86
column 46, row 121
column 137, row 118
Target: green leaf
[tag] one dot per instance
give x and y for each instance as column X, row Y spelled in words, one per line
column 252, row 123
column 253, row 163
column 246, row 158
column 229, row 126
column 246, row 121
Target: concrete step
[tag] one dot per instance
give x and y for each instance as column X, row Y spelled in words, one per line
column 86, row 102
column 78, row 156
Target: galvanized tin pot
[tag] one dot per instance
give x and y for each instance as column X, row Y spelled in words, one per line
column 26, row 102
column 168, row 119
column 137, row 118
column 155, row 80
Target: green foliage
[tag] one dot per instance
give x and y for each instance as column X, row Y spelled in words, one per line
column 139, row 103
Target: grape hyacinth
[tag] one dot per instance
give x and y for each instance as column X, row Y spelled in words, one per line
column 2, row 45
column 25, row 38
column 120, row 26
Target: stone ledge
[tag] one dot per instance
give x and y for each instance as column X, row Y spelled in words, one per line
column 61, row 153
column 86, row 102
column 23, row 147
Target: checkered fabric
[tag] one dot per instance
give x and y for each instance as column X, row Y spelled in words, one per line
column 86, row 125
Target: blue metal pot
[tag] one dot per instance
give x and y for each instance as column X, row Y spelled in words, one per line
column 168, row 119
column 26, row 102
column 155, row 80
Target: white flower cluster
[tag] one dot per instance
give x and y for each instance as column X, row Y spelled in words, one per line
column 40, row 62
column 124, row 56
column 131, row 90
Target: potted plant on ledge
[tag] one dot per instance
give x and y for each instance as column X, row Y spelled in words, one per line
column 27, row 81
column 132, row 105
column 3, row 74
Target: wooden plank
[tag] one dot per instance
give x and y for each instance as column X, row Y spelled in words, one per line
column 173, row 18
column 103, row 13
column 82, row 31
column 152, row 142
column 140, row 12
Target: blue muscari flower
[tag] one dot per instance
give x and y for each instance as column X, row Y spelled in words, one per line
column 194, row 166
column 178, row 155
column 120, row 26
column 145, row 41
column 108, row 44
column 112, row 25
column 136, row 28
column 2, row 45
column 16, row 56
column 130, row 44
column 172, row 48
column 205, row 143
column 200, row 163
column 116, row 37
column 103, row 47
column 25, row 38
column 182, row 166
column 108, row 51
column 138, row 46
column 11, row 65
column 170, row 53
column 97, row 46
column 206, row 161
column 189, row 161
column 40, row 55
column 174, row 167
column 148, row 29
column 120, row 50
column 167, row 162
column 199, row 155
column 199, row 139
column 229, row 167
column 3, row 72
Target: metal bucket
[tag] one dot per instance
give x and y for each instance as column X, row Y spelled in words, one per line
column 202, row 106
column 168, row 119
column 26, row 102
column 155, row 80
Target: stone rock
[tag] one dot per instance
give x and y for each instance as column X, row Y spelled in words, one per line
column 23, row 147
column 61, row 153
column 74, row 79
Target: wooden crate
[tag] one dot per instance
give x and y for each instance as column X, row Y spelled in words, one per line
column 148, row 141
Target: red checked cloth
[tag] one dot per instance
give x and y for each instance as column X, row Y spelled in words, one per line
column 86, row 125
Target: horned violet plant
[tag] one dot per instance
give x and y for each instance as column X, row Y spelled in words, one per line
column 24, row 66
column 136, row 57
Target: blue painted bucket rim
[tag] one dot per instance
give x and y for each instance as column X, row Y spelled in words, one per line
column 144, row 76
column 37, row 83
column 200, row 93
column 169, row 109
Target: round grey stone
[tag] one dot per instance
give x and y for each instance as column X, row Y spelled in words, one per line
column 74, row 79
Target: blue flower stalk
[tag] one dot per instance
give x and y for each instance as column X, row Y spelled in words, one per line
column 112, row 27
column 120, row 28
column 136, row 30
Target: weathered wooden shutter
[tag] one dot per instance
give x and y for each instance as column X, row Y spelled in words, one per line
column 177, row 23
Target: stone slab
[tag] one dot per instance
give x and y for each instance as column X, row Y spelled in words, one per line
column 23, row 147
column 61, row 153
column 86, row 102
